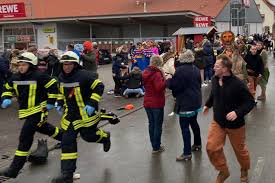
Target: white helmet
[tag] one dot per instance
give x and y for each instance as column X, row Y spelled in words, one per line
column 27, row 57
column 69, row 56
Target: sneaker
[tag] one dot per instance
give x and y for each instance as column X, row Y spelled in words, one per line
column 184, row 157
column 196, row 148
column 117, row 96
column 161, row 149
column 126, row 96
column 244, row 176
column 204, row 84
column 261, row 98
column 110, row 92
column 222, row 176
column 171, row 114
column 138, row 95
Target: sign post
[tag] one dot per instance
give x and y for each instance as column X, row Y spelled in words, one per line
column 202, row 21
column 12, row 10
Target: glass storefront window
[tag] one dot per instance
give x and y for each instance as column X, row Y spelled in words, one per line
column 8, row 31
column 23, row 34
column 29, row 31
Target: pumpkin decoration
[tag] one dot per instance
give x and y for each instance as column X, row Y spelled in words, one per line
column 227, row 38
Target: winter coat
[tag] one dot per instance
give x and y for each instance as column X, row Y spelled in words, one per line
column 208, row 54
column 254, row 65
column 4, row 68
column 118, row 61
column 186, row 87
column 54, row 67
column 199, row 58
column 232, row 96
column 239, row 67
column 89, row 61
column 168, row 64
column 135, row 80
column 154, row 84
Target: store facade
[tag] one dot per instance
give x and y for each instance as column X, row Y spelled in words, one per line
column 121, row 22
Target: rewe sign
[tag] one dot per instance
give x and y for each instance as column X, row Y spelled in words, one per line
column 202, row 21
column 12, row 10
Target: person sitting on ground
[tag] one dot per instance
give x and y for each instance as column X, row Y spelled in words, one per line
column 134, row 84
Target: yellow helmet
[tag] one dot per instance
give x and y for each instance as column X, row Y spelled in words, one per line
column 27, row 57
column 69, row 56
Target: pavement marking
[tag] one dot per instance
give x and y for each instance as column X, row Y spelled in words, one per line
column 258, row 171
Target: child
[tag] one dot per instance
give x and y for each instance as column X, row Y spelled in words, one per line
column 134, row 84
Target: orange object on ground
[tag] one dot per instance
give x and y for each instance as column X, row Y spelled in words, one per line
column 129, row 107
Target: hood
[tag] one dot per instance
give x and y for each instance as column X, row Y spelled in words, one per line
column 150, row 71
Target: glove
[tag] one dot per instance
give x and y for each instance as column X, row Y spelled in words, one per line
column 49, row 107
column 6, row 103
column 59, row 110
column 89, row 109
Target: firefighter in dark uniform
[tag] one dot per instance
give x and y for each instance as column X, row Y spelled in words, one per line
column 36, row 94
column 81, row 92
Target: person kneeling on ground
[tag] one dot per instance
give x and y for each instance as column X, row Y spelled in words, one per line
column 134, row 84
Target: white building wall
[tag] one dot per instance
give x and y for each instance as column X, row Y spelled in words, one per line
column 253, row 28
column 44, row 39
column 269, row 14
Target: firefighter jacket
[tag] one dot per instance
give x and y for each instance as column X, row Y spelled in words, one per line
column 78, row 89
column 34, row 91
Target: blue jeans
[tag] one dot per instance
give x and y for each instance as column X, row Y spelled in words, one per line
column 155, row 117
column 184, row 124
column 135, row 91
column 208, row 72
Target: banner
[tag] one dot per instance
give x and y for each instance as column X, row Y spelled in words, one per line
column 202, row 21
column 12, row 10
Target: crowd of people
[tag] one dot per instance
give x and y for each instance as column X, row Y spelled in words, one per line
column 43, row 81
column 234, row 67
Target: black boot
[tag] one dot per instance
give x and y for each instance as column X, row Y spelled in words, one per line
column 16, row 165
column 8, row 172
column 63, row 178
column 40, row 155
column 107, row 142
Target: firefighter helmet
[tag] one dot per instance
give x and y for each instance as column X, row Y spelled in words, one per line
column 69, row 56
column 27, row 57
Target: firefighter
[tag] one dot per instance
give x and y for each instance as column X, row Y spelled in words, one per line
column 81, row 92
column 36, row 94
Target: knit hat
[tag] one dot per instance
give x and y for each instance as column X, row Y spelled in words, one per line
column 187, row 57
column 88, row 45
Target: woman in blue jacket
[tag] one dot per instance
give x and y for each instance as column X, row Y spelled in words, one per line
column 186, row 88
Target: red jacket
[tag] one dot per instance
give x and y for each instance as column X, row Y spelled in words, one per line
column 154, row 84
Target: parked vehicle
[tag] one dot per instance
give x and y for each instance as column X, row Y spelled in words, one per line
column 104, row 57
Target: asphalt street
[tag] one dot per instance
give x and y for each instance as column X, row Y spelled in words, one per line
column 130, row 159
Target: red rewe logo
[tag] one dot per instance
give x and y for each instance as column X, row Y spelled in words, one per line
column 12, row 10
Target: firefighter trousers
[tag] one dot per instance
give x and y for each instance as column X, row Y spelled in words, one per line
column 32, row 124
column 69, row 144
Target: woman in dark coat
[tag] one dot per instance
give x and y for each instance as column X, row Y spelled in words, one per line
column 186, row 88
